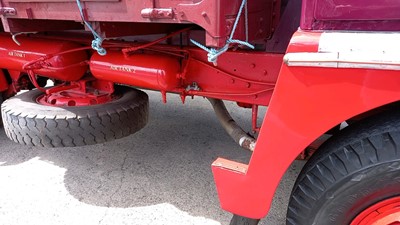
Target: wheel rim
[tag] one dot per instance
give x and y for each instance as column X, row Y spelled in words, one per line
column 386, row 212
column 71, row 98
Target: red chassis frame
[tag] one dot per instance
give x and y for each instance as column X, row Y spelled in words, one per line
column 241, row 76
column 306, row 102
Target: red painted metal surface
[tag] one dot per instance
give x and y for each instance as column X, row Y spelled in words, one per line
column 152, row 71
column 67, row 67
column 385, row 212
column 351, row 15
column 216, row 17
column 241, row 76
column 254, row 116
column 306, row 103
column 83, row 93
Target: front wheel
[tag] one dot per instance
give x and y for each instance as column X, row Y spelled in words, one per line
column 354, row 179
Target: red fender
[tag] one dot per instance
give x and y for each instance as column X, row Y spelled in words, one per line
column 306, row 102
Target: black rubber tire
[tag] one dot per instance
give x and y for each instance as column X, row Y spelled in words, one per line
column 240, row 220
column 30, row 123
column 352, row 171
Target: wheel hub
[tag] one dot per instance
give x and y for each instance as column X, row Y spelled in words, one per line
column 82, row 93
column 386, row 212
column 74, row 98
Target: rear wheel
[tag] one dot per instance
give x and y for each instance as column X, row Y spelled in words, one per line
column 354, row 179
column 26, row 121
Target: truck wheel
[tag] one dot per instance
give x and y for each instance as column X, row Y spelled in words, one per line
column 28, row 122
column 240, row 220
column 354, row 179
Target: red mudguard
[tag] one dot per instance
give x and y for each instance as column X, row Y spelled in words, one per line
column 306, row 102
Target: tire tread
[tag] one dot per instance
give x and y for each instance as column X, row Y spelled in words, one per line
column 113, row 121
column 361, row 146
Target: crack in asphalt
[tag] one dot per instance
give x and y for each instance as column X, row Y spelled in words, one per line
column 104, row 216
column 122, row 169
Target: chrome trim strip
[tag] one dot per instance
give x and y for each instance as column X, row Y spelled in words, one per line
column 344, row 60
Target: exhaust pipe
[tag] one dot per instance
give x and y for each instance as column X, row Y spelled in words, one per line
column 231, row 127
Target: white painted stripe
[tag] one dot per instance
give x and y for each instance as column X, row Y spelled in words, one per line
column 371, row 42
column 352, row 50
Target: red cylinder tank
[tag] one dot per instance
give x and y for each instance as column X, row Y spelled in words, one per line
column 151, row 71
column 64, row 67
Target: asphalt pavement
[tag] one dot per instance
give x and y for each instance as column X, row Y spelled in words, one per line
column 158, row 176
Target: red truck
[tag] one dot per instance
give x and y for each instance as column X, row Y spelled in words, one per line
column 327, row 70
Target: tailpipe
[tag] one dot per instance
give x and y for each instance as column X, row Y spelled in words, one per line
column 231, row 127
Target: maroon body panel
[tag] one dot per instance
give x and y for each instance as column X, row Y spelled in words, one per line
column 351, row 15
column 357, row 10
column 216, row 17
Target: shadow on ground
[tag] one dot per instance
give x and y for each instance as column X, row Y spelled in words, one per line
column 166, row 162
